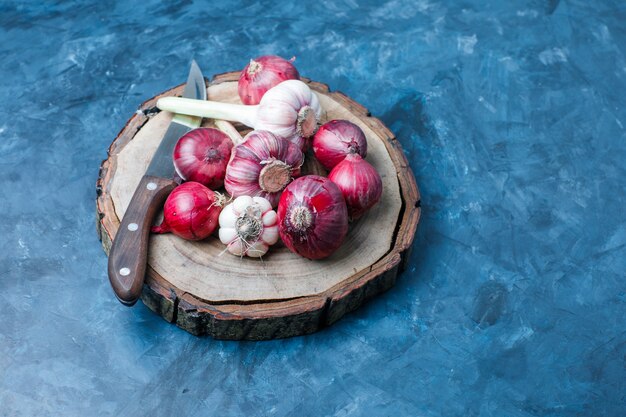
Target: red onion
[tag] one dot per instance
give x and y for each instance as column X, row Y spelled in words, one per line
column 262, row 166
column 312, row 217
column 201, row 155
column 336, row 139
column 191, row 211
column 359, row 183
column 263, row 73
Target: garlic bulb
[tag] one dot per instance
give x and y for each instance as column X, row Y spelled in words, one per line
column 248, row 226
column 262, row 165
column 290, row 109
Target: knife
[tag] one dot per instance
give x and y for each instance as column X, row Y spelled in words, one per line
column 128, row 255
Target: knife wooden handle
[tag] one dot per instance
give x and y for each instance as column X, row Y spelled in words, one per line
column 128, row 255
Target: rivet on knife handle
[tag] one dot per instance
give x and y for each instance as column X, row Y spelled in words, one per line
column 128, row 255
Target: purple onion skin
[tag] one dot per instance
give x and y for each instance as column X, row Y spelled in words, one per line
column 191, row 212
column 359, row 183
column 336, row 139
column 261, row 74
column 201, row 155
column 323, row 213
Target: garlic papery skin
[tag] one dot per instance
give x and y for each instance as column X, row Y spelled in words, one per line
column 290, row 110
column 262, row 166
column 248, row 226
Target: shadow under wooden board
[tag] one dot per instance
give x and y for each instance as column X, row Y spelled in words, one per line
column 204, row 290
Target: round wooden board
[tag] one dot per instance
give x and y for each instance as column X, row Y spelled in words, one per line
column 206, row 291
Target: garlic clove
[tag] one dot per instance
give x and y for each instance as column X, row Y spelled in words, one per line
column 278, row 118
column 270, row 235
column 236, row 247
column 289, row 92
column 257, row 249
column 315, row 105
column 227, row 217
column 241, row 203
column 263, row 204
column 290, row 110
column 283, row 111
column 227, row 235
column 270, row 218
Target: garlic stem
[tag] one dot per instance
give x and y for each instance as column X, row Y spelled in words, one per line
column 211, row 109
column 230, row 130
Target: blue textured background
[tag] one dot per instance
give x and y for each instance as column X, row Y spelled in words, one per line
column 512, row 115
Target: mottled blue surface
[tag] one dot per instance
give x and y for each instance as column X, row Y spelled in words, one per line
column 512, row 115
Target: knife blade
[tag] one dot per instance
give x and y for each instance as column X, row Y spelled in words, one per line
column 128, row 254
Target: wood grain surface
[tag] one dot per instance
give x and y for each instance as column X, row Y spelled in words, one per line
column 206, row 291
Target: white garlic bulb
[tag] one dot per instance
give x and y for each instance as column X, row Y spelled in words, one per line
column 289, row 109
column 248, row 226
